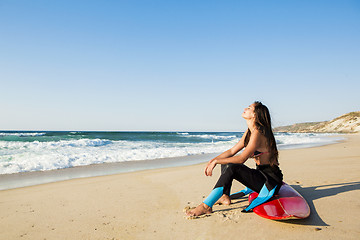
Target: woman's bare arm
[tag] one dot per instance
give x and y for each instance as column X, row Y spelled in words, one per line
column 228, row 156
column 247, row 153
column 234, row 150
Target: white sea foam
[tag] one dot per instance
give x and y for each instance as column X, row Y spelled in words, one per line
column 18, row 156
column 208, row 136
column 298, row 140
column 40, row 156
column 23, row 134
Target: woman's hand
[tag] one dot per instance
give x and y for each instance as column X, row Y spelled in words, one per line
column 207, row 165
column 209, row 168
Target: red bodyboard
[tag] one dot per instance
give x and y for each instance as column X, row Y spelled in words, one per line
column 288, row 204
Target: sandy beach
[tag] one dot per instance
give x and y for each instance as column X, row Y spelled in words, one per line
column 149, row 204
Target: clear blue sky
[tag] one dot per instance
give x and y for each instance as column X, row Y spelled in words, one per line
column 175, row 65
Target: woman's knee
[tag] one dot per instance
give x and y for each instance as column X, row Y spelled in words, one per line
column 224, row 167
column 229, row 168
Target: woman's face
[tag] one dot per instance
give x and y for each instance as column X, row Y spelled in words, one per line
column 249, row 112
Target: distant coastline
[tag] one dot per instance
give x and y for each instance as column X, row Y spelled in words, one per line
column 347, row 123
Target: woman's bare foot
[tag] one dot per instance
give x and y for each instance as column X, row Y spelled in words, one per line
column 199, row 210
column 224, row 200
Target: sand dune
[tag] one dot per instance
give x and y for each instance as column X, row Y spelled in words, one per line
column 347, row 123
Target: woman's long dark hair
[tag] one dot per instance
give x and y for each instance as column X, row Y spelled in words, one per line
column 263, row 124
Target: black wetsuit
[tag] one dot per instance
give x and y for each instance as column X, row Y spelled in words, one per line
column 251, row 178
column 265, row 180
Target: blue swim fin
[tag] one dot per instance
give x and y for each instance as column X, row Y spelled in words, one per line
column 241, row 193
column 264, row 195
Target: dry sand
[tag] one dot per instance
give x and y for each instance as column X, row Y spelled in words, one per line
column 149, row 204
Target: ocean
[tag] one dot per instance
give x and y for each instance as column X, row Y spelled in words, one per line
column 38, row 151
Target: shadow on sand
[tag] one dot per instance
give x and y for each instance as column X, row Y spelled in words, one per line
column 317, row 192
column 313, row 193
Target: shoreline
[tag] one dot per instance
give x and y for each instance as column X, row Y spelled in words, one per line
column 26, row 179
column 148, row 204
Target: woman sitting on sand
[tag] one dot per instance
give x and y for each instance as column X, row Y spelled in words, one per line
column 259, row 143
